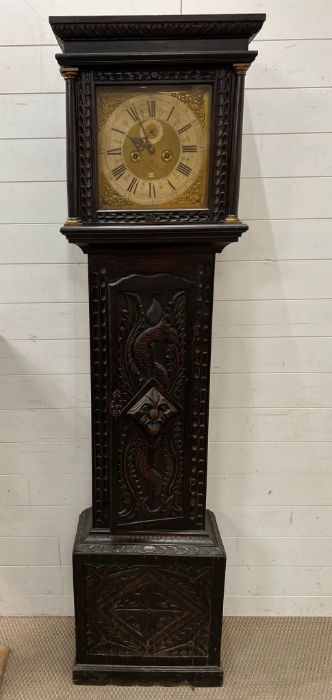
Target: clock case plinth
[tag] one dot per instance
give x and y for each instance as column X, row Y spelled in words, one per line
column 149, row 564
column 144, row 604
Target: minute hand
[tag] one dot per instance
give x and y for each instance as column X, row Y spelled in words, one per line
column 149, row 146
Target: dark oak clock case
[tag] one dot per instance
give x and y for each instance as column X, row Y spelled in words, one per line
column 149, row 563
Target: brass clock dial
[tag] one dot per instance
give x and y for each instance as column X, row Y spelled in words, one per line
column 153, row 147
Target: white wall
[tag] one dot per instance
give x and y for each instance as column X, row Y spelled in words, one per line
column 270, row 460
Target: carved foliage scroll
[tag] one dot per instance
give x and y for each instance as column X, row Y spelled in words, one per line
column 150, row 353
column 149, row 398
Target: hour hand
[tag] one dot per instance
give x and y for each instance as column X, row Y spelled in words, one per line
column 138, row 143
column 141, row 144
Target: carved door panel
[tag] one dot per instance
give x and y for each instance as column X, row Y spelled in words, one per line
column 151, row 358
column 152, row 612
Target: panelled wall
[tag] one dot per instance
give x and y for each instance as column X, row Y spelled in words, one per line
column 270, row 458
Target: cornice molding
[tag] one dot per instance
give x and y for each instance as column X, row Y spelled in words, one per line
column 213, row 237
column 71, row 29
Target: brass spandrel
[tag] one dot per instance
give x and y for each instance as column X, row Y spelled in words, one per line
column 109, row 197
column 197, row 101
column 192, row 198
column 106, row 105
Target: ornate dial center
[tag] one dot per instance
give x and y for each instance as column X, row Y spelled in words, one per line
column 153, row 147
column 153, row 130
column 152, row 151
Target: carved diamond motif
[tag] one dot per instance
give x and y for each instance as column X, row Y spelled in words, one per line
column 148, row 611
column 152, row 411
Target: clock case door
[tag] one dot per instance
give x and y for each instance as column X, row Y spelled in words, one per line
column 150, row 337
column 151, row 363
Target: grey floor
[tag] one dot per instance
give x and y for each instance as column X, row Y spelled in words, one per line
column 264, row 659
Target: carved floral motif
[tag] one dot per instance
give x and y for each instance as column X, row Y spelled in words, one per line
column 151, row 350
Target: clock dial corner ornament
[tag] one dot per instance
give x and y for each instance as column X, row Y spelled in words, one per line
column 153, row 147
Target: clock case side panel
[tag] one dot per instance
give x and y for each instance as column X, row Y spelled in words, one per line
column 222, row 82
column 150, row 326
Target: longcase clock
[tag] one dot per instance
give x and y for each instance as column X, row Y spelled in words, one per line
column 154, row 127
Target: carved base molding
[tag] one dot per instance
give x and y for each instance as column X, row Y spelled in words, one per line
column 148, row 608
column 92, row 674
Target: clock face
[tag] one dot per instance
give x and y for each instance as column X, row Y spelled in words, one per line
column 153, row 147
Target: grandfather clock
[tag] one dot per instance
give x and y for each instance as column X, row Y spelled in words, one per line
column 154, row 127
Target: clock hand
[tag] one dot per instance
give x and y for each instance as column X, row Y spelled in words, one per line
column 138, row 143
column 141, row 144
column 149, row 146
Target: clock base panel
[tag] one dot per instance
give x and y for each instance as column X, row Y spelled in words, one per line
column 148, row 607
